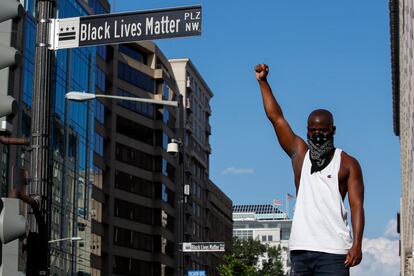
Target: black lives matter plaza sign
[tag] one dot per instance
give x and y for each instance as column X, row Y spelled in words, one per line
column 124, row 27
column 203, row 247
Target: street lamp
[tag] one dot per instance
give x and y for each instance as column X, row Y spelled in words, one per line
column 66, row 239
column 82, row 96
column 173, row 147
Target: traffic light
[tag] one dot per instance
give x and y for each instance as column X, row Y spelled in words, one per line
column 8, row 105
column 12, row 224
column 10, row 13
column 9, row 9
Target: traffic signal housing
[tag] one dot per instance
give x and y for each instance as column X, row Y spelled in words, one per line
column 9, row 9
column 12, row 224
column 8, row 105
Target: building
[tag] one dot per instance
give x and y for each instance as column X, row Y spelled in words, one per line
column 265, row 223
column 202, row 207
column 402, row 50
column 113, row 184
column 71, row 131
column 140, row 179
column 219, row 225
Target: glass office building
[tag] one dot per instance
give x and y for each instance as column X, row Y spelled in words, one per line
column 71, row 140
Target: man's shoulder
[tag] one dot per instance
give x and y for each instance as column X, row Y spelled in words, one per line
column 348, row 161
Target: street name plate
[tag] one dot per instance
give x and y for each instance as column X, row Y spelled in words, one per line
column 125, row 27
column 203, row 247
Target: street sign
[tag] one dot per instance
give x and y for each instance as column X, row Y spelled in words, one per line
column 124, row 27
column 203, row 247
column 197, row 273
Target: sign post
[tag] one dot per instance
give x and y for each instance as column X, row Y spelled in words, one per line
column 124, row 27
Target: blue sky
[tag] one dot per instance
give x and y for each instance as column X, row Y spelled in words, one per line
column 322, row 54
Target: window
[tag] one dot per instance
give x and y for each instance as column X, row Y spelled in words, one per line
column 98, row 145
column 99, row 111
column 134, row 157
column 100, row 79
column 165, row 140
column 96, row 210
column 134, row 212
column 102, row 51
column 165, row 92
column 165, row 116
column 270, row 238
column 131, row 267
column 97, row 6
column 132, row 239
column 263, row 238
column 145, row 109
column 168, row 170
column 165, row 194
column 134, row 184
column 135, row 77
column 243, row 234
column 133, row 53
column 134, row 130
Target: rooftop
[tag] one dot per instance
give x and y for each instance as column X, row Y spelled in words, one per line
column 256, row 208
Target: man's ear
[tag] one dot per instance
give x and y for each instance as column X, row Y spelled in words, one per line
column 333, row 130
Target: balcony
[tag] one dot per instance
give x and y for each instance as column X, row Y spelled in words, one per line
column 208, row 109
column 189, row 85
column 188, row 104
column 208, row 148
column 189, row 124
column 208, row 129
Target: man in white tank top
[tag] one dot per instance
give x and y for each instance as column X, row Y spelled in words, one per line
column 320, row 242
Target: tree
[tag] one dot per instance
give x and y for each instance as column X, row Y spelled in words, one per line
column 248, row 251
column 274, row 265
column 244, row 258
column 235, row 267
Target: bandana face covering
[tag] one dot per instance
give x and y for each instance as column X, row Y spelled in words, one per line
column 320, row 147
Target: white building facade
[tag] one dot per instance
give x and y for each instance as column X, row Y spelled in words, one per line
column 402, row 61
column 265, row 223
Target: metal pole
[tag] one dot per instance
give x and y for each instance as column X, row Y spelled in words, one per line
column 182, row 161
column 39, row 161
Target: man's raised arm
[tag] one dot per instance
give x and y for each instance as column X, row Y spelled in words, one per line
column 290, row 142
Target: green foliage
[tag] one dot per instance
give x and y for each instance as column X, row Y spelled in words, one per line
column 235, row 267
column 243, row 260
column 248, row 251
column 274, row 266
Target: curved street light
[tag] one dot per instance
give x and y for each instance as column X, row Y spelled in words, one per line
column 82, row 96
column 173, row 147
column 66, row 239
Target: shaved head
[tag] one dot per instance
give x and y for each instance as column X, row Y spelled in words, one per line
column 321, row 116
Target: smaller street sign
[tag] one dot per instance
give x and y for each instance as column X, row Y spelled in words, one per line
column 117, row 28
column 203, row 247
column 197, row 273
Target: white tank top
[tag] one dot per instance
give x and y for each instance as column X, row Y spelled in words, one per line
column 320, row 218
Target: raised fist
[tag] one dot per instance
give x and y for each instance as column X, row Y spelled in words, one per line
column 261, row 71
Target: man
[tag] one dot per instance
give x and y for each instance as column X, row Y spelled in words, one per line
column 320, row 241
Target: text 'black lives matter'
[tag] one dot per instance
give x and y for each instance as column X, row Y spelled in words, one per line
column 127, row 27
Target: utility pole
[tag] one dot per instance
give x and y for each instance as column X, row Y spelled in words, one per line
column 40, row 127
